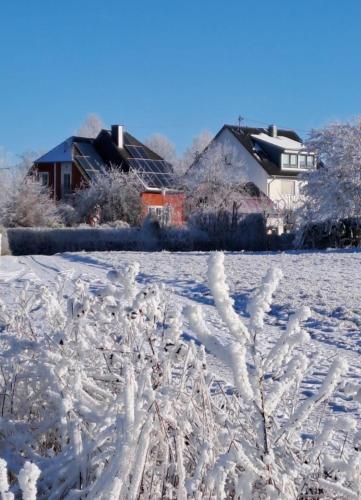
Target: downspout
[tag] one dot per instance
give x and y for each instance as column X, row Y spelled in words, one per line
column 164, row 206
column 54, row 182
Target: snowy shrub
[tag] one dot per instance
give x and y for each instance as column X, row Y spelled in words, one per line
column 100, row 392
column 244, row 232
column 117, row 224
column 68, row 214
column 330, row 234
column 51, row 241
column 115, row 192
column 25, row 202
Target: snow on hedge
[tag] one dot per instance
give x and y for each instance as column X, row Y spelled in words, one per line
column 102, row 398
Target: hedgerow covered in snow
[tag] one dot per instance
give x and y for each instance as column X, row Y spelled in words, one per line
column 103, row 398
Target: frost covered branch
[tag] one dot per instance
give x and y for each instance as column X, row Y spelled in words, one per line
column 102, row 398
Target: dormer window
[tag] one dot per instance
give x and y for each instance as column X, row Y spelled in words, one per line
column 285, row 160
column 310, row 161
column 302, row 161
column 293, row 160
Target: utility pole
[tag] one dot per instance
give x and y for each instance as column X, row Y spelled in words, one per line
column 240, row 120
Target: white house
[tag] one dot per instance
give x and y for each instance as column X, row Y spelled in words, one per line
column 271, row 159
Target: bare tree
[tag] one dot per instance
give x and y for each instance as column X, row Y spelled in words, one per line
column 194, row 151
column 91, row 126
column 165, row 148
column 4, row 158
column 218, row 193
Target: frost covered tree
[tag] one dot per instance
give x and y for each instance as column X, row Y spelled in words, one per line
column 91, row 126
column 161, row 145
column 25, row 202
column 219, row 164
column 333, row 191
column 116, row 193
column 181, row 163
column 217, row 190
column 5, row 159
column 193, row 152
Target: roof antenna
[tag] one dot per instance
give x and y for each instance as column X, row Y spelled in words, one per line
column 240, row 120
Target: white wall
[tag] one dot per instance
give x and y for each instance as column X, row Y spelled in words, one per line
column 250, row 169
column 279, row 192
column 280, row 187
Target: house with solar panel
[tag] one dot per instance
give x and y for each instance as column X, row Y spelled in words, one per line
column 76, row 161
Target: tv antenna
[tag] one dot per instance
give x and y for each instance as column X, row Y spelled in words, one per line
column 240, row 120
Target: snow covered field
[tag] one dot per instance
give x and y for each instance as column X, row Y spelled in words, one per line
column 329, row 283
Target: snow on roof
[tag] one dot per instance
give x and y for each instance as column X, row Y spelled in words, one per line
column 280, row 141
column 62, row 152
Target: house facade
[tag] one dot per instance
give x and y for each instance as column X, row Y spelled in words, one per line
column 76, row 161
column 271, row 159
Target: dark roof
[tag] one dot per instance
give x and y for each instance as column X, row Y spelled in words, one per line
column 152, row 170
column 94, row 155
column 244, row 136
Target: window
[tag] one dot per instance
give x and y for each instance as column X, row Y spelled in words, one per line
column 293, row 160
column 44, row 178
column 287, row 187
column 66, row 180
column 310, row 161
column 285, row 159
column 302, row 161
column 162, row 213
column 156, row 212
column 66, row 183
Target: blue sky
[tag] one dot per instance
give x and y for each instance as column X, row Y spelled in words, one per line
column 175, row 67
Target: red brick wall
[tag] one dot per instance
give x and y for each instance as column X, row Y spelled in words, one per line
column 175, row 200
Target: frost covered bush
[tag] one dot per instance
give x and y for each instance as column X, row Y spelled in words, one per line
column 25, row 202
column 245, row 232
column 50, row 241
column 115, row 192
column 102, row 393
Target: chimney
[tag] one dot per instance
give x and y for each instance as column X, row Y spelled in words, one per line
column 117, row 135
column 272, row 130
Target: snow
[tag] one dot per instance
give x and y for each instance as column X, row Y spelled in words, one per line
column 313, row 310
column 328, row 282
column 279, row 141
column 61, row 153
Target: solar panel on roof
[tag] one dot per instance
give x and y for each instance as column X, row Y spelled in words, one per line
column 84, row 163
column 141, row 152
column 153, row 173
column 88, row 158
column 87, row 149
column 137, row 151
column 152, row 166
